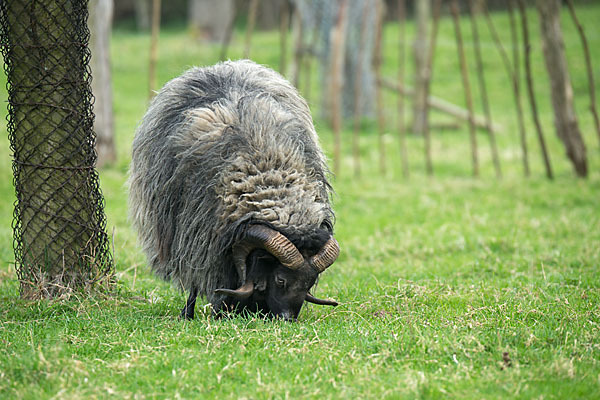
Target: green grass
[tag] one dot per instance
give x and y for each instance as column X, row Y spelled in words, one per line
column 437, row 278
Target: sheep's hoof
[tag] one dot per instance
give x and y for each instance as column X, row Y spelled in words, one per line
column 187, row 313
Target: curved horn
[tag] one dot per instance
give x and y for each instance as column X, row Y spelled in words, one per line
column 326, row 256
column 322, row 302
column 260, row 236
column 243, row 292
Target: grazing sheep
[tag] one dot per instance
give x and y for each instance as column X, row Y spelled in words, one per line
column 229, row 191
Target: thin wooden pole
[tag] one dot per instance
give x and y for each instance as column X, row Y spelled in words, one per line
column 298, row 48
column 426, row 128
column 378, row 93
column 513, row 72
column 588, row 65
column 516, row 80
column 466, row 85
column 153, row 48
column 358, row 91
column 401, row 71
column 284, row 23
column 250, row 26
column 308, row 59
column 483, row 92
column 531, row 91
column 337, row 69
column 439, row 104
column 227, row 37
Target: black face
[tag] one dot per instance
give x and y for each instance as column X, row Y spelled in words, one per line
column 278, row 291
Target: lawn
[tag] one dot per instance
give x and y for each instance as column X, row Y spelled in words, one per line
column 450, row 286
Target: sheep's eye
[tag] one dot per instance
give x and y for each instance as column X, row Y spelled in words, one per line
column 279, row 281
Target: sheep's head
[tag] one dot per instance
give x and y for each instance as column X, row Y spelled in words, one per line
column 275, row 276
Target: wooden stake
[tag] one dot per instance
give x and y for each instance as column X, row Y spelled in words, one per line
column 298, row 48
column 426, row 128
column 227, row 37
column 153, row 48
column 466, row 85
column 439, row 104
column 308, row 58
column 401, row 69
column 337, row 71
column 531, row 91
column 250, row 26
column 513, row 72
column 358, row 91
column 516, row 80
column 284, row 24
column 588, row 65
column 377, row 67
column 483, row 92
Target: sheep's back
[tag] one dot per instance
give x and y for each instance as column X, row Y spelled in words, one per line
column 218, row 147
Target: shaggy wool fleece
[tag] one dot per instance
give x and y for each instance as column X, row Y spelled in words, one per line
column 221, row 147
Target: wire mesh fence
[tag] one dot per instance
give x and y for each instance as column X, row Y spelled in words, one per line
column 60, row 239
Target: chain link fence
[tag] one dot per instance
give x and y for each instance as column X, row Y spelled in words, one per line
column 60, row 238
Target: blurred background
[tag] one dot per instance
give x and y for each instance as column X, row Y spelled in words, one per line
column 396, row 86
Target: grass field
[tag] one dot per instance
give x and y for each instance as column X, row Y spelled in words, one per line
column 449, row 286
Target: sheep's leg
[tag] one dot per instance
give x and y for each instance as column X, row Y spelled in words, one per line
column 188, row 311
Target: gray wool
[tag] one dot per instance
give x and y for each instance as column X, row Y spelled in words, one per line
column 220, row 147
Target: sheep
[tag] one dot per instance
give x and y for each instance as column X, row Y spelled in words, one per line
column 229, row 191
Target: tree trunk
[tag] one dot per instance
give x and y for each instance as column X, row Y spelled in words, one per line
column 323, row 14
column 422, row 73
column 209, row 19
column 100, row 22
column 142, row 14
column 565, row 119
column 60, row 240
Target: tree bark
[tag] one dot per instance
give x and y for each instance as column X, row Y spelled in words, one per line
column 565, row 120
column 100, row 22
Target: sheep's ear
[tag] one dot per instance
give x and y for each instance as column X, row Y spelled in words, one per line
column 243, row 292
